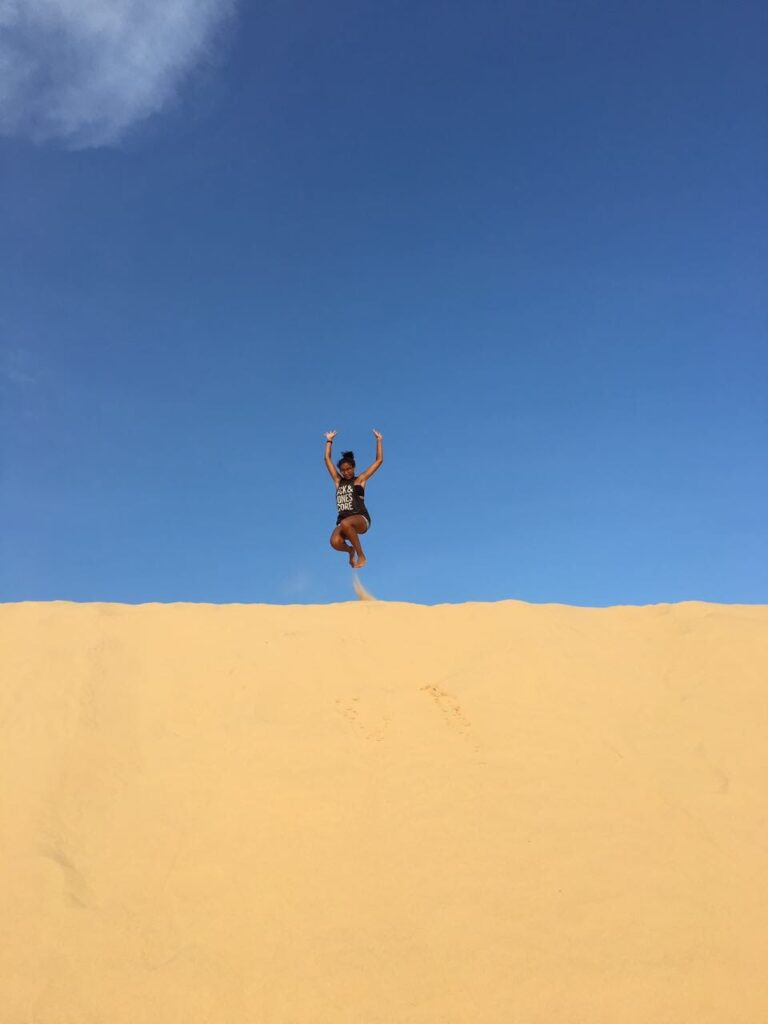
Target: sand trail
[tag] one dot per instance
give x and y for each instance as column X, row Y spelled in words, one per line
column 360, row 590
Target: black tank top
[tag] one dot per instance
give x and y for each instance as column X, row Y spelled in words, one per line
column 350, row 501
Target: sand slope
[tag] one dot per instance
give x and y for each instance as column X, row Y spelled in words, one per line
column 380, row 813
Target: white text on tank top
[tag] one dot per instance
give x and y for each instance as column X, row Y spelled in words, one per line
column 345, row 496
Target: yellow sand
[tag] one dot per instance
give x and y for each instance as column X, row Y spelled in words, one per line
column 374, row 813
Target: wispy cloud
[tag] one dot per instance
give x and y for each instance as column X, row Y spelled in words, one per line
column 298, row 584
column 85, row 71
column 16, row 366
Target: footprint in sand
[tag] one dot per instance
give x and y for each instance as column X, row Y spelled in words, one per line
column 350, row 709
column 453, row 716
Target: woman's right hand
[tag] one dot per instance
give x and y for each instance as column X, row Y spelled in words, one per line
column 330, row 435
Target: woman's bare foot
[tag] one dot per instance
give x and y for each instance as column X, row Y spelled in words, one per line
column 359, row 563
column 351, row 557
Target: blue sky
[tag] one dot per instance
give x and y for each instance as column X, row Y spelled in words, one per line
column 525, row 241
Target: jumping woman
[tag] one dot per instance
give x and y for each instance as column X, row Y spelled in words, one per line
column 353, row 518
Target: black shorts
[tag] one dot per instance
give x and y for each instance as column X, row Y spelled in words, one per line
column 346, row 515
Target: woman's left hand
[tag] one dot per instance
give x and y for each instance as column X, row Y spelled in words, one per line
column 378, row 436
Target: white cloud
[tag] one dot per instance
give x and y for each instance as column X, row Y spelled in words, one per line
column 298, row 584
column 16, row 366
column 85, row 71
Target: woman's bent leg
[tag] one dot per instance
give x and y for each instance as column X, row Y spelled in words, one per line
column 339, row 544
column 351, row 528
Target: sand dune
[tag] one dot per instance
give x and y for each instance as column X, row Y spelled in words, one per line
column 376, row 813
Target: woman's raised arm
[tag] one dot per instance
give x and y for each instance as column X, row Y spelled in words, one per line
column 377, row 461
column 328, row 462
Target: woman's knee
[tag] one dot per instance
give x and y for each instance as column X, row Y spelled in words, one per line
column 337, row 541
column 353, row 525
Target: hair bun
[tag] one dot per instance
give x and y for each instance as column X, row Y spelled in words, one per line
column 348, row 456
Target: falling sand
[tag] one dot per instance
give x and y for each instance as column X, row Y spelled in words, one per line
column 378, row 813
column 360, row 590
